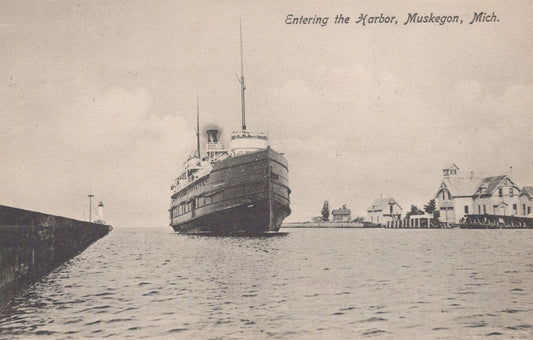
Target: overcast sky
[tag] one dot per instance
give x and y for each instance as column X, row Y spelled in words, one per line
column 100, row 97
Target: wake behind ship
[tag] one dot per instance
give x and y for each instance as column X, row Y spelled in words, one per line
column 240, row 190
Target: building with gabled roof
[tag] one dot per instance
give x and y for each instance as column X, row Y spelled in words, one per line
column 383, row 210
column 465, row 195
column 526, row 201
column 342, row 214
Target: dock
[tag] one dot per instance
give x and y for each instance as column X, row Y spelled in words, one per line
column 333, row 224
column 33, row 243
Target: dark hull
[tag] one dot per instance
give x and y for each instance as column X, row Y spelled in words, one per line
column 248, row 194
column 250, row 219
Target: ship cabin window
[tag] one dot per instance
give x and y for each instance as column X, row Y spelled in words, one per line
column 219, row 196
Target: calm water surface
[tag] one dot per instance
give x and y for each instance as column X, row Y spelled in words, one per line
column 307, row 284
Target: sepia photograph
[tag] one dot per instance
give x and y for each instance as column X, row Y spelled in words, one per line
column 236, row 169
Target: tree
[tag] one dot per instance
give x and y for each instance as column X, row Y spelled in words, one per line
column 431, row 206
column 414, row 211
column 325, row 211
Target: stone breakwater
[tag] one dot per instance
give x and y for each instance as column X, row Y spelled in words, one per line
column 33, row 243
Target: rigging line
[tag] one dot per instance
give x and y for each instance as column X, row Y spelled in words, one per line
column 243, row 86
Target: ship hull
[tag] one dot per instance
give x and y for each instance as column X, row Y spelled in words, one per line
column 249, row 219
column 248, row 194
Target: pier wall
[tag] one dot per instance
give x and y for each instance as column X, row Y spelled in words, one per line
column 33, row 243
column 328, row 224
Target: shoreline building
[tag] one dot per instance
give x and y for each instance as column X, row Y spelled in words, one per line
column 526, row 201
column 383, row 210
column 342, row 214
column 459, row 196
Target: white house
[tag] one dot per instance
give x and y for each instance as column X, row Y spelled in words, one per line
column 458, row 196
column 526, row 201
column 383, row 210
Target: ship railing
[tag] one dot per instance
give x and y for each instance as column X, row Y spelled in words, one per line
column 201, row 172
column 244, row 134
column 212, row 146
column 217, row 157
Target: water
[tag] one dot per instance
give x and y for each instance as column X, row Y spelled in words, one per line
column 308, row 284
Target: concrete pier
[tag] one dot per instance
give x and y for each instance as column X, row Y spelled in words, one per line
column 328, row 224
column 33, row 243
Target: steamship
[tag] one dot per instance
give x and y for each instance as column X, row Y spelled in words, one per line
column 240, row 190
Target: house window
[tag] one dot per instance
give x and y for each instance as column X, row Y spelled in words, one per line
column 500, row 192
column 452, row 172
column 466, row 209
column 479, row 210
column 494, row 207
column 391, row 209
column 511, row 192
column 528, row 210
column 514, row 207
column 484, row 209
column 524, row 208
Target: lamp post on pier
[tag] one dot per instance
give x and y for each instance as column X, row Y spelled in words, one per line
column 90, row 205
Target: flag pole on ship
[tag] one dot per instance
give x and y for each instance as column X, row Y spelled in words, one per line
column 198, row 128
column 243, row 87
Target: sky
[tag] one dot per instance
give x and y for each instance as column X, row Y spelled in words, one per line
column 99, row 97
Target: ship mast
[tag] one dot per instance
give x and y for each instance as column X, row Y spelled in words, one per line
column 243, row 87
column 198, row 128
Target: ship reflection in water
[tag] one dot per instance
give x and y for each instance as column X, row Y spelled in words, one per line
column 308, row 284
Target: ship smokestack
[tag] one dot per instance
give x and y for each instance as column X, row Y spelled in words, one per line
column 100, row 210
column 212, row 136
